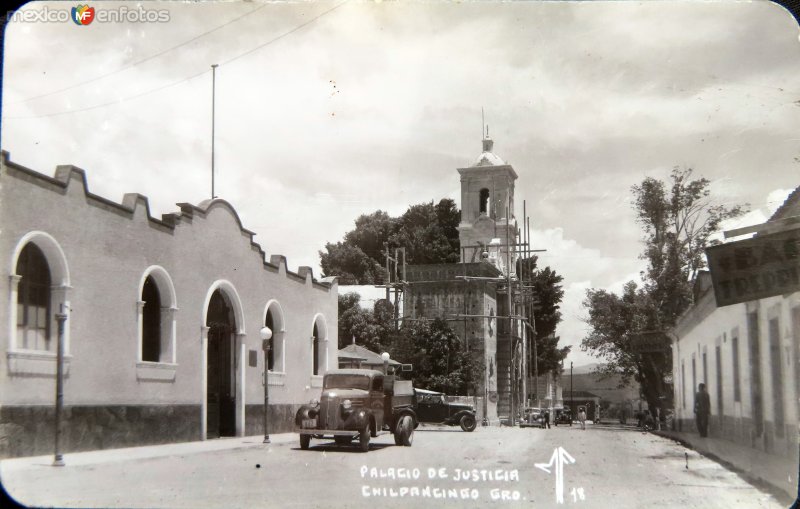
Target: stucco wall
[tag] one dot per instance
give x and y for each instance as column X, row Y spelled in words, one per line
column 107, row 248
column 699, row 332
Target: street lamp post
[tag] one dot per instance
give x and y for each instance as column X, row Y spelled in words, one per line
column 266, row 335
column 385, row 357
column 58, row 460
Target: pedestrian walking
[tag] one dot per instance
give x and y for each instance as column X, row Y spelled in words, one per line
column 582, row 417
column 702, row 409
column 547, row 419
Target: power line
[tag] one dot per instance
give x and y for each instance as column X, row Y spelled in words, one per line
column 168, row 85
column 285, row 34
column 134, row 64
column 111, row 103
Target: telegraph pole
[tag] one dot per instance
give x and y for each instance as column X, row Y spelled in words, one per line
column 570, row 387
column 510, row 321
column 524, row 310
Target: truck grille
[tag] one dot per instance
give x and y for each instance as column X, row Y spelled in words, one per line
column 328, row 413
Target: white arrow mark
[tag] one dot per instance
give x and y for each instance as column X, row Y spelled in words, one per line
column 558, row 458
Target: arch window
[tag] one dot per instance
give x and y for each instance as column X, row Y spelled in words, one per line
column 270, row 323
column 156, row 317
column 274, row 320
column 39, row 289
column 484, row 201
column 316, row 350
column 319, row 346
column 151, row 321
column 33, row 300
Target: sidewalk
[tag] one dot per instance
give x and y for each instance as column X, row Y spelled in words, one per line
column 147, row 451
column 780, row 474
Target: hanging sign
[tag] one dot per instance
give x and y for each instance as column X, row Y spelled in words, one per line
column 752, row 269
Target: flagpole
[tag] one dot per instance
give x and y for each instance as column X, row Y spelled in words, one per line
column 213, row 107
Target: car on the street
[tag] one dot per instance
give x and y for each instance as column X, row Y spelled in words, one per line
column 433, row 407
column 563, row 416
column 357, row 404
column 532, row 417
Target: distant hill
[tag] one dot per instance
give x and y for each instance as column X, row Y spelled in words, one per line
column 607, row 388
column 582, row 370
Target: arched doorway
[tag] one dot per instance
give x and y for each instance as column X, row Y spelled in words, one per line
column 220, row 367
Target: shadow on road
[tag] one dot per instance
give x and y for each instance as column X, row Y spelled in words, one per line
column 616, row 427
column 332, row 447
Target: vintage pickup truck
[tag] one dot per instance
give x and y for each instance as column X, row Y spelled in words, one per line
column 359, row 404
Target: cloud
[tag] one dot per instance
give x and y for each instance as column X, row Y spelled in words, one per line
column 374, row 106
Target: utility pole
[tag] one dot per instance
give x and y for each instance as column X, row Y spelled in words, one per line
column 510, row 321
column 534, row 333
column 524, row 310
column 570, row 387
column 213, row 108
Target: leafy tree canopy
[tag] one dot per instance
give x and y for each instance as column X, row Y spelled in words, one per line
column 369, row 328
column 439, row 359
column 678, row 218
column 548, row 294
column 428, row 231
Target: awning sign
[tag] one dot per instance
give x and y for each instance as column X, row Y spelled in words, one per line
column 764, row 266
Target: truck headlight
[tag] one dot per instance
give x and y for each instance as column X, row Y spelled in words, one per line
column 314, row 402
column 346, row 404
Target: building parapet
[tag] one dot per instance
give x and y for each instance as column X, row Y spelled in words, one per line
column 132, row 202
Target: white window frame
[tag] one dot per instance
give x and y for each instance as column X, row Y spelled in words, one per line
column 277, row 375
column 322, row 353
column 23, row 361
column 165, row 369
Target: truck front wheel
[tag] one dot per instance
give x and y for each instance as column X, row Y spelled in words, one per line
column 405, row 431
column 305, row 440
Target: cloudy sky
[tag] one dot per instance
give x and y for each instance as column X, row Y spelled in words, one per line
column 325, row 111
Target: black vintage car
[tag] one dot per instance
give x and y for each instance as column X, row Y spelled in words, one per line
column 563, row 416
column 433, row 407
column 532, row 418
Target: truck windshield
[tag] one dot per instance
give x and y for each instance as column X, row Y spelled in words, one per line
column 347, row 382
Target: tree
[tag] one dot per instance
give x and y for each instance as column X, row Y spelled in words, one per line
column 678, row 218
column 615, row 320
column 677, row 224
column 548, row 293
column 371, row 233
column 351, row 264
column 440, row 361
column 369, row 328
column 428, row 231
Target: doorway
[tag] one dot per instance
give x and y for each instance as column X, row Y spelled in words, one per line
column 221, row 368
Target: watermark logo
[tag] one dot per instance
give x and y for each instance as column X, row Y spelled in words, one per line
column 82, row 14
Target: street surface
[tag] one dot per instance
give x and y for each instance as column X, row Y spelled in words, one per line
column 613, row 467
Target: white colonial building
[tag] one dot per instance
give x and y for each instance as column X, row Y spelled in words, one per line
column 747, row 354
column 162, row 335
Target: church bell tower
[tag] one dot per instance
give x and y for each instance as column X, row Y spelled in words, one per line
column 487, row 209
